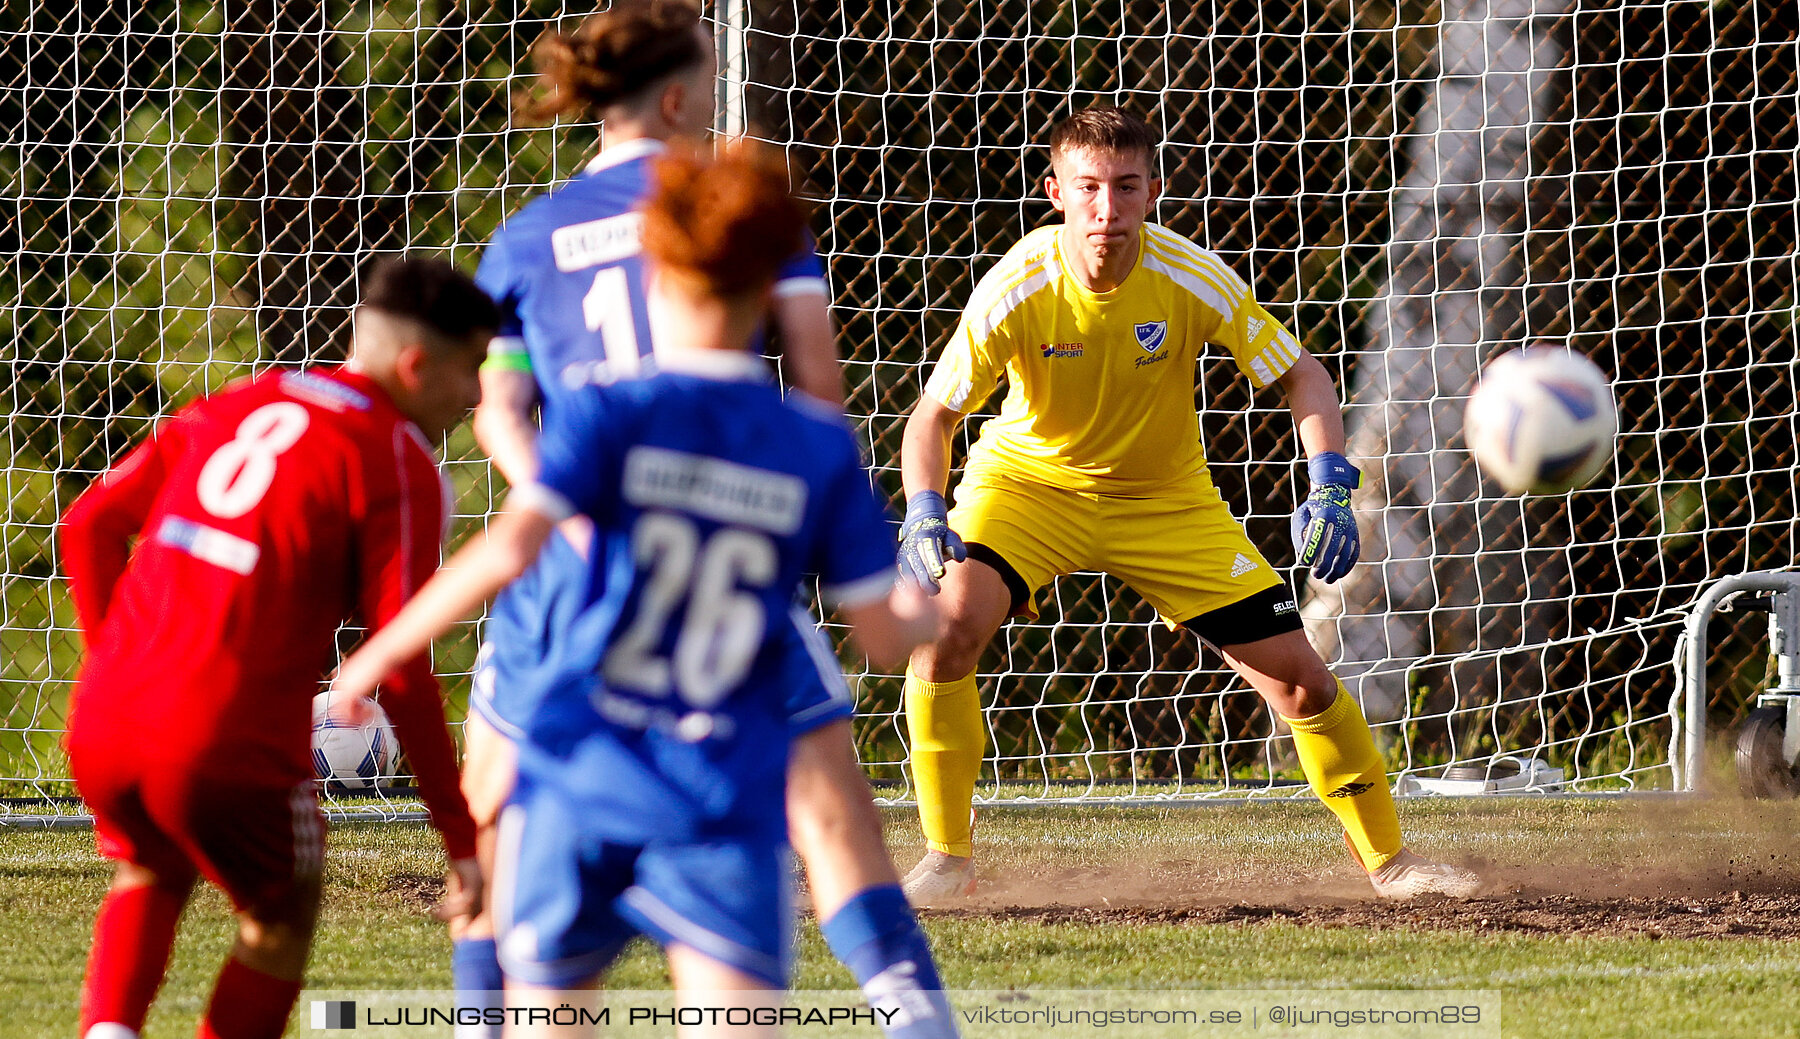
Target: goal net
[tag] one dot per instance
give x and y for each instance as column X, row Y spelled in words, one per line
column 188, row 190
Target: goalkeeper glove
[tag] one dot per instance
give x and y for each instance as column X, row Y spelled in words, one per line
column 926, row 539
column 1324, row 527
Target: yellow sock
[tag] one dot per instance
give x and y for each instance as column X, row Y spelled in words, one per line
column 948, row 737
column 1339, row 757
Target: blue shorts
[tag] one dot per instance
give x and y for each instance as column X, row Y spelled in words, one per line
column 518, row 660
column 566, row 900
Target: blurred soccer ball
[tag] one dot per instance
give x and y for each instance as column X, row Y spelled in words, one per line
column 1541, row 421
column 354, row 757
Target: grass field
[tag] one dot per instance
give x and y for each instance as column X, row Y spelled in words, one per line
column 1651, row 917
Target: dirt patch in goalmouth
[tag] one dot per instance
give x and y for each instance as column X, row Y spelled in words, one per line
column 1719, row 869
column 1736, row 915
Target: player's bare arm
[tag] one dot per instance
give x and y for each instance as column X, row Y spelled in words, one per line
column 889, row 629
column 1324, row 527
column 505, row 424
column 470, row 578
column 804, row 319
column 464, row 890
column 926, row 541
column 925, row 446
column 1313, row 399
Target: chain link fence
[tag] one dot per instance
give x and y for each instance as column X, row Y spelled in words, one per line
column 188, row 191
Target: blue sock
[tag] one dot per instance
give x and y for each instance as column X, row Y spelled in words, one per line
column 876, row 935
column 475, row 971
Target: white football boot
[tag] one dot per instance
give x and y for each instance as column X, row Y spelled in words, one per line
column 939, row 878
column 1407, row 875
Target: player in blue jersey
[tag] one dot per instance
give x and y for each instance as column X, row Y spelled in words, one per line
column 649, row 792
column 570, row 281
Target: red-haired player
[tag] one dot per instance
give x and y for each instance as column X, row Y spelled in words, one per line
column 653, row 771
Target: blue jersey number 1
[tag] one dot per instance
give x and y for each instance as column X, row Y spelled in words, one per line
column 606, row 309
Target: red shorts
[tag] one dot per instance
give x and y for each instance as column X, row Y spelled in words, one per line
column 260, row 844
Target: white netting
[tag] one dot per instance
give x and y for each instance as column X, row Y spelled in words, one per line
column 188, row 189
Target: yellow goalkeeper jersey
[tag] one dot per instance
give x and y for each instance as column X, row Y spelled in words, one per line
column 1100, row 391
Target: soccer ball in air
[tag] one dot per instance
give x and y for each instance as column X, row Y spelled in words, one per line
column 1541, row 421
column 353, row 757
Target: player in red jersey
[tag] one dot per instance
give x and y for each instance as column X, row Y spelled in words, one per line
column 263, row 517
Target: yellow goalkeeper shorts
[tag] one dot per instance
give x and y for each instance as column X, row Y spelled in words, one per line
column 1182, row 551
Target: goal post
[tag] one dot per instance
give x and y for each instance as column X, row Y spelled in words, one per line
column 1411, row 187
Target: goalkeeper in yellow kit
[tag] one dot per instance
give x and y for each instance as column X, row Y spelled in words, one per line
column 1094, row 463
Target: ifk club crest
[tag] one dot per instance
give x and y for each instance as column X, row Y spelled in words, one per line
column 1150, row 335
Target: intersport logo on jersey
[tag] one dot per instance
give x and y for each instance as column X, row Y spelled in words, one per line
column 1060, row 349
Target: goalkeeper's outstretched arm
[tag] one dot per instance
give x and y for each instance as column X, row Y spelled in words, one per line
column 926, row 540
column 1312, row 398
column 1326, row 540
column 925, row 446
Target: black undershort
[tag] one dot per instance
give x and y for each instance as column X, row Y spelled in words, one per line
column 1266, row 614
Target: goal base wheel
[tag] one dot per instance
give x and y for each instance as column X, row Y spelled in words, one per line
column 1762, row 769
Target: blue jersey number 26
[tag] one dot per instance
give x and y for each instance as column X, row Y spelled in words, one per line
column 724, row 621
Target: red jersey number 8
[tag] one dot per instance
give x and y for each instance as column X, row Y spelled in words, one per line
column 238, row 474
